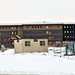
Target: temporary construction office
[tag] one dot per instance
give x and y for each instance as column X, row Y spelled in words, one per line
column 31, row 45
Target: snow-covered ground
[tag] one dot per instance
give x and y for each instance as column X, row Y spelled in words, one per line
column 36, row 63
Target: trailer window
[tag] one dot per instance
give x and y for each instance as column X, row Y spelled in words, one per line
column 42, row 43
column 27, row 43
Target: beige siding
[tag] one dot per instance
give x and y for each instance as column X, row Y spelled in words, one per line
column 34, row 46
column 18, row 46
column 27, row 48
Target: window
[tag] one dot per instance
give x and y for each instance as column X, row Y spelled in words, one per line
column 64, row 31
column 64, row 36
column 35, row 26
column 40, row 26
column 70, row 36
column 0, row 33
column 27, row 26
column 70, row 26
column 27, row 43
column 3, row 33
column 35, row 40
column 73, row 31
column 9, row 32
column 6, row 33
column 46, row 26
column 32, row 26
column 70, row 31
column 12, row 28
column 49, row 32
column 67, row 36
column 50, row 37
column 46, row 32
column 67, row 31
column 12, row 43
column 67, row 27
column 58, row 25
column 64, row 26
column 73, row 36
column 15, row 32
column 42, row 43
column 12, row 32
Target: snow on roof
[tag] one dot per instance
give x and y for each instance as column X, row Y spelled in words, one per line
column 7, row 24
column 68, row 22
column 38, row 22
column 43, row 22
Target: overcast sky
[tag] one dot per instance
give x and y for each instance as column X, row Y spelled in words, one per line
column 21, row 11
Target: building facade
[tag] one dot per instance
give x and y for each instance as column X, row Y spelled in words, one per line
column 52, row 31
column 7, row 33
column 68, row 32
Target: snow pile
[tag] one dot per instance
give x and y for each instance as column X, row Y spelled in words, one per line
column 35, row 64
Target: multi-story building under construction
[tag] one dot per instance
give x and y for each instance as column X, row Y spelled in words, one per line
column 51, row 31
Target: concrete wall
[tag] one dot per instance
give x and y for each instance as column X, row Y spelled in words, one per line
column 34, row 46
